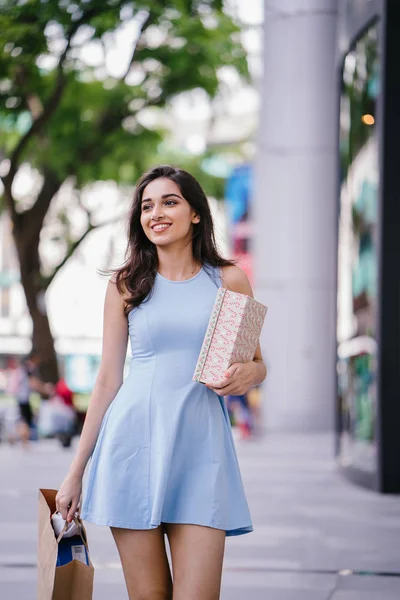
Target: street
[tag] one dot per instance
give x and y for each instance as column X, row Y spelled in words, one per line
column 317, row 537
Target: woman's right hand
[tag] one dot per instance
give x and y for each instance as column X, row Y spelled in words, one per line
column 68, row 497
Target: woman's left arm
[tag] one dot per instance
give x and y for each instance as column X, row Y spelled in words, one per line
column 240, row 377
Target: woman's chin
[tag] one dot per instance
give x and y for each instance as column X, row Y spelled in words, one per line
column 161, row 242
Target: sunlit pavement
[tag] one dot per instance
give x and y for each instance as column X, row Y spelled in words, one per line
column 315, row 534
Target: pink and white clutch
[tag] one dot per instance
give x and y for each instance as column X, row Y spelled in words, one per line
column 232, row 335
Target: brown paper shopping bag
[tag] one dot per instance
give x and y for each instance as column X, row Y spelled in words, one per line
column 73, row 581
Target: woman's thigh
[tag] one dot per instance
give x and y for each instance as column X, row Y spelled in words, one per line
column 144, row 562
column 197, row 556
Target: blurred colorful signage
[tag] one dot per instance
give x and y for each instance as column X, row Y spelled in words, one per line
column 238, row 192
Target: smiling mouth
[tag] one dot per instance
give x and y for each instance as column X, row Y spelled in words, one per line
column 161, row 227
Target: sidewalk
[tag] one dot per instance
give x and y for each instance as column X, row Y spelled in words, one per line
column 315, row 533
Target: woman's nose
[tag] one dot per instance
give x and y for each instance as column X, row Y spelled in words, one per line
column 157, row 213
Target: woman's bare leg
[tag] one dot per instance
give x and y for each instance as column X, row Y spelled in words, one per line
column 144, row 562
column 197, row 556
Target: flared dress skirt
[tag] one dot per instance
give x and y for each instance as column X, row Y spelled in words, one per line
column 165, row 451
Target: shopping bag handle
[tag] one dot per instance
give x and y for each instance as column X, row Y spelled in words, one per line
column 79, row 524
column 63, row 530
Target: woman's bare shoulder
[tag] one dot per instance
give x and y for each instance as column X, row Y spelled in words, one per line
column 115, row 291
column 236, row 280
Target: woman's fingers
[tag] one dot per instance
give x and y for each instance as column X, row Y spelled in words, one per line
column 230, row 390
column 67, row 506
column 59, row 503
column 231, row 370
column 67, row 499
column 62, row 507
column 238, row 379
column 72, row 510
column 229, row 380
column 64, row 503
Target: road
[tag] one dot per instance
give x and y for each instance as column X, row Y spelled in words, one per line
column 315, row 533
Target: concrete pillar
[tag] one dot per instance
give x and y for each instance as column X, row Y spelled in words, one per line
column 295, row 214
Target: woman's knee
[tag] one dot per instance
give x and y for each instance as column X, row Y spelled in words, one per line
column 146, row 590
column 152, row 594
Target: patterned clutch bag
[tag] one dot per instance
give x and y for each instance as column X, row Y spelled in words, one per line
column 232, row 335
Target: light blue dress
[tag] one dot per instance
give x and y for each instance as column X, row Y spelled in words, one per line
column 165, row 452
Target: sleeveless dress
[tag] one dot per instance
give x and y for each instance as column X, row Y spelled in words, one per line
column 165, row 452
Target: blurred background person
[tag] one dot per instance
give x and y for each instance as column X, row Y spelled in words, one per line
column 57, row 415
column 10, row 413
column 65, row 415
column 22, row 380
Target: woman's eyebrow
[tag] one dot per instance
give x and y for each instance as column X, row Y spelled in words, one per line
column 164, row 196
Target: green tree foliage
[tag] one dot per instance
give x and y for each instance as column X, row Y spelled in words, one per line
column 66, row 114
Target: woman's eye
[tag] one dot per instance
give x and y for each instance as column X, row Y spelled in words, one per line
column 167, row 202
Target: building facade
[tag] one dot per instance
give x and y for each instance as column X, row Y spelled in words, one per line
column 368, row 303
column 327, row 222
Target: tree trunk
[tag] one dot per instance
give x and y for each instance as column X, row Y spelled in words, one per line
column 32, row 283
column 43, row 343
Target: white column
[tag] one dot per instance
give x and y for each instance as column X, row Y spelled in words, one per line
column 295, row 213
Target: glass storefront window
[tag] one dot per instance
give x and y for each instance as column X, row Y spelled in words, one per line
column 357, row 255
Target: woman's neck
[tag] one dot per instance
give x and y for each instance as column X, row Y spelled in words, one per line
column 178, row 268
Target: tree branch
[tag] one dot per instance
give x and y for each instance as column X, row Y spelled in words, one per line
column 53, row 101
column 149, row 20
column 9, row 198
column 40, row 121
column 73, row 247
column 35, row 215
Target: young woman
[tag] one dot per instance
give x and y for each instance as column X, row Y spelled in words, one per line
column 162, row 455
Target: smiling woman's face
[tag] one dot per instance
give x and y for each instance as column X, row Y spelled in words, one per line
column 166, row 216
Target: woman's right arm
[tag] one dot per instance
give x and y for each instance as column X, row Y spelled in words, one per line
column 108, row 382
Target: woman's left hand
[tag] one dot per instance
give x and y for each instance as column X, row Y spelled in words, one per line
column 237, row 381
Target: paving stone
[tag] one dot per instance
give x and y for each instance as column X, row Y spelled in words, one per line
column 363, row 595
column 388, row 585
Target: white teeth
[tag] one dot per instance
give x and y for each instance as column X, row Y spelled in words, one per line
column 160, row 227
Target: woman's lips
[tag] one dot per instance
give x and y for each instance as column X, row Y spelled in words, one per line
column 161, row 227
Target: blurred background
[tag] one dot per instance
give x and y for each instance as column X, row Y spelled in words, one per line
column 287, row 113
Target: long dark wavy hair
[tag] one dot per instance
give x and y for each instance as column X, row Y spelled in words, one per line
column 135, row 279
